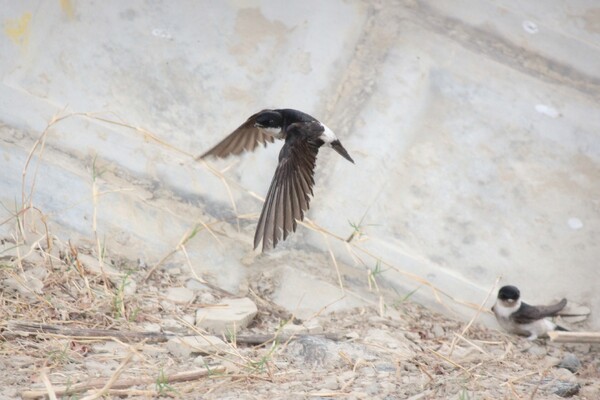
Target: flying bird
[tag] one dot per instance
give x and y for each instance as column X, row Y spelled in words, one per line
column 520, row 318
column 288, row 197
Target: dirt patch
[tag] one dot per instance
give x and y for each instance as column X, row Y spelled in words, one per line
column 101, row 323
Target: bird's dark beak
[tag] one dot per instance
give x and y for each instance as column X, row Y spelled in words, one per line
column 337, row 146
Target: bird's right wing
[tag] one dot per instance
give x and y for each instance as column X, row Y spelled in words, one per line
column 289, row 194
column 247, row 137
column 526, row 313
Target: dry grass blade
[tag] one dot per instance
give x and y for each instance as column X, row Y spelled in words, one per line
column 49, row 388
column 124, row 383
column 26, row 328
column 112, row 379
column 468, row 326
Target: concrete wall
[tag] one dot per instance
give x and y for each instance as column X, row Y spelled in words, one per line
column 475, row 127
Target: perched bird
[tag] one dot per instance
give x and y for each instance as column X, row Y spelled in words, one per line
column 520, row 318
column 288, row 196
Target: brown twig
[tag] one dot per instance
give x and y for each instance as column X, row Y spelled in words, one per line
column 122, row 384
column 18, row 328
column 574, row 337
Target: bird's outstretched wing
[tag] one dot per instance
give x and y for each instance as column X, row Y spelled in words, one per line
column 246, row 137
column 526, row 313
column 289, row 194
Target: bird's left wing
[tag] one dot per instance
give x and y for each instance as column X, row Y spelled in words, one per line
column 245, row 138
column 526, row 313
column 289, row 194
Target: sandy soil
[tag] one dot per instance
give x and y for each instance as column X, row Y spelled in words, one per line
column 409, row 352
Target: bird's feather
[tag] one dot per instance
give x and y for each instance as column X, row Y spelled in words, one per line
column 289, row 194
column 245, row 138
column 526, row 313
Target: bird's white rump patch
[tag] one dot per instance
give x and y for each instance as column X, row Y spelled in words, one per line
column 328, row 136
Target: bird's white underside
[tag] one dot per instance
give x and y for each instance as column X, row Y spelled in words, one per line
column 535, row 329
column 503, row 311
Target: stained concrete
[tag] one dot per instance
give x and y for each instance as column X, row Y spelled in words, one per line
column 474, row 126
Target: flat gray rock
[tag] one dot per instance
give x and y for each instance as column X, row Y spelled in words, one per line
column 227, row 317
column 186, row 346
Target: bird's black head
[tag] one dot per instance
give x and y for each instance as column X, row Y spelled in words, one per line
column 509, row 293
column 268, row 119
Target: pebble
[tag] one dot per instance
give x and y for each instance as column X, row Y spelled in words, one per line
column 235, row 314
column 537, row 350
column 347, row 375
column 372, row 389
column 314, row 350
column 352, row 335
column 200, row 361
column 172, row 325
column 385, row 367
column 207, row 298
column 180, row 295
column 151, row 327
column 437, row 331
column 330, row 383
column 194, row 284
column 570, row 362
column 185, row 346
column 564, row 375
column 566, row 389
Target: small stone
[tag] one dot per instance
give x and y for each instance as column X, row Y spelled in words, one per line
column 570, row 362
column 313, row 327
column 314, row 350
column 537, row 350
column 9, row 250
column 352, row 335
column 112, row 348
column 177, row 348
column 180, row 295
column 130, row 287
column 566, row 389
column 26, row 287
column 189, row 318
column 330, row 383
column 207, row 298
column 385, row 367
column 293, row 329
column 372, row 389
column 185, row 346
column 347, row 375
column 564, row 374
column 227, row 317
column 38, row 272
column 437, row 331
column 400, row 345
column 551, row 361
column 151, row 327
column 92, row 265
column 172, row 325
column 194, row 284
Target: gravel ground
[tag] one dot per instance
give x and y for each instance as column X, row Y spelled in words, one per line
column 409, row 352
